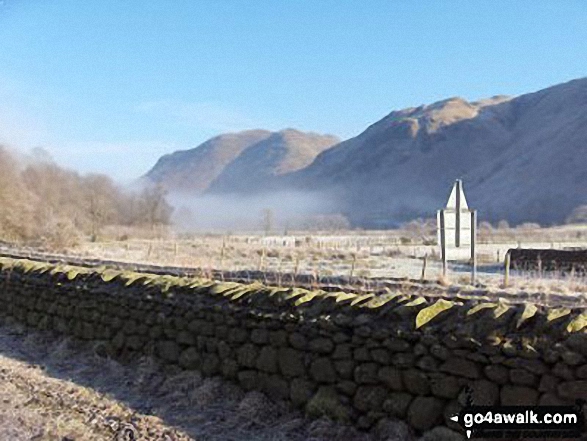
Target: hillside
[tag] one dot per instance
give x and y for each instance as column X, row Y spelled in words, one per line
column 521, row 159
column 281, row 153
column 238, row 162
column 193, row 170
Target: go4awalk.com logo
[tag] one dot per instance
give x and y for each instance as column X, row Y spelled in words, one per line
column 522, row 422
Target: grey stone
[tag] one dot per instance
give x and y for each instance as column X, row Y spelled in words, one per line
column 291, row 362
column 581, row 372
column 345, row 368
column 297, row 340
column 278, row 338
column 321, row 345
column 578, row 343
column 444, row 386
column 461, row 368
column 210, row 364
column 548, row 383
column 397, row 404
column 396, row 344
column 363, row 331
column 229, row 368
column 572, row 358
column 343, row 352
column 573, row 389
column 322, row 370
column 420, row 350
column 391, row 377
column 484, row 393
column 563, row 371
column 369, row 398
column 267, row 361
column 260, row 336
column 550, row 399
column 327, row 403
column 347, row 387
column 427, row 363
column 247, row 355
column 276, row 387
column 168, row 350
column 518, row 396
column 189, row 358
column 224, row 350
column 416, row 382
column 425, row 413
column 340, row 337
column 366, row 373
column 361, row 354
column 249, row 380
column 301, row 391
column 440, row 352
column 522, row 377
column 236, row 335
column 381, row 356
column 403, row 360
column 185, row 338
column 497, row 373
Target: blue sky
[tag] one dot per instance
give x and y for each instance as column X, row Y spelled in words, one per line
column 110, row 86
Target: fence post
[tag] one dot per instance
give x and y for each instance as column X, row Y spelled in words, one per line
column 442, row 242
column 473, row 250
column 424, row 267
column 506, row 279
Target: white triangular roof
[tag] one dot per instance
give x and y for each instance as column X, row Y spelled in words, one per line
column 452, row 199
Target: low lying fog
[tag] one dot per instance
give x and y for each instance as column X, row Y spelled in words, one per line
column 275, row 211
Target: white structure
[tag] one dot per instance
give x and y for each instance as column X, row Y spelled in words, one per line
column 457, row 226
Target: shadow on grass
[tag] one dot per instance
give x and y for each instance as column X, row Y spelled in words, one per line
column 203, row 408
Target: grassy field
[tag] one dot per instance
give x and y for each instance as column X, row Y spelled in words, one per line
column 364, row 256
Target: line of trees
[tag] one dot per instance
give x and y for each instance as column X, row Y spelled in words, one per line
column 44, row 204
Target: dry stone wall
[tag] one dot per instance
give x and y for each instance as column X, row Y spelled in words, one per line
column 354, row 358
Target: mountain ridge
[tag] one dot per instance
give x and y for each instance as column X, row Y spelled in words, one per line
column 523, row 159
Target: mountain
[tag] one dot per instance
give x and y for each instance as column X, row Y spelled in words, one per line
column 521, row 159
column 194, row 170
column 281, row 153
column 238, row 162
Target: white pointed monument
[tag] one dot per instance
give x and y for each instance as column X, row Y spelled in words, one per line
column 457, row 229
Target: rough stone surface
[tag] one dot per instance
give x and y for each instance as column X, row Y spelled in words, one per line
column 461, row 368
column 369, row 398
column 416, row 382
column 573, row 389
column 169, row 350
column 327, row 403
column 518, row 396
column 397, row 404
column 522, row 377
column 267, row 361
column 444, row 386
column 425, row 413
column 301, row 391
column 391, row 377
column 366, row 373
column 291, row 362
column 322, row 370
column 484, row 393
